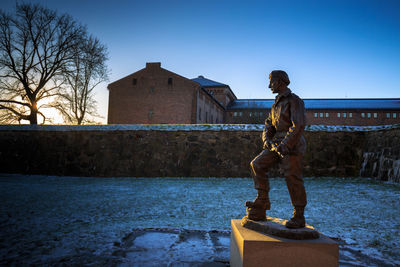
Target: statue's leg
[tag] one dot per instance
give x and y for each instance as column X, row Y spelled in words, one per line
column 293, row 168
column 259, row 168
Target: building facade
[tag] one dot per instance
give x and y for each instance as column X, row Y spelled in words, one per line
column 356, row 112
column 206, row 108
column 154, row 95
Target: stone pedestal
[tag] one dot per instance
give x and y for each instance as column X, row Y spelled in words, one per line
column 250, row 248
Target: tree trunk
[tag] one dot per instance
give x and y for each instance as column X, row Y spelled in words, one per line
column 33, row 115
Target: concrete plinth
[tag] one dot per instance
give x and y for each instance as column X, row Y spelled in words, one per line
column 250, row 248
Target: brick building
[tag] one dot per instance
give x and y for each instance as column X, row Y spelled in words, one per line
column 154, row 95
column 221, row 92
column 355, row 112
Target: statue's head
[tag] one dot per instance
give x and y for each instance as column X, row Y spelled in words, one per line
column 278, row 81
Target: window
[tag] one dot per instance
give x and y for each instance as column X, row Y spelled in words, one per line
column 363, row 115
column 261, row 114
column 315, row 115
column 375, row 115
column 235, row 114
column 169, row 81
column 344, row 114
column 321, row 115
column 250, row 114
column 151, row 89
column 394, row 115
column 369, row 115
column 212, row 118
column 206, row 116
column 387, row 115
column 338, row 115
column 240, row 114
column 327, row 115
column 350, row 115
column 134, row 81
column 151, row 114
column 199, row 113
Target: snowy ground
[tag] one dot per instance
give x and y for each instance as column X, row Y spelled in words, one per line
column 108, row 221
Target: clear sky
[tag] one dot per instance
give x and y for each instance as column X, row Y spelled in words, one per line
column 330, row 49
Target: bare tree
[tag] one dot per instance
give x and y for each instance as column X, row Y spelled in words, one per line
column 37, row 46
column 88, row 70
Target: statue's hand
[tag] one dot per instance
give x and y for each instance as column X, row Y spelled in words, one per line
column 283, row 149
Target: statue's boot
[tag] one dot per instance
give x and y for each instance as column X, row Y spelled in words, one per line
column 256, row 214
column 298, row 220
column 256, row 209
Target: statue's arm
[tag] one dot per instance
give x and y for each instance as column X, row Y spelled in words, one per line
column 268, row 132
column 298, row 119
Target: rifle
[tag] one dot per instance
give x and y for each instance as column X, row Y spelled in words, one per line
column 274, row 147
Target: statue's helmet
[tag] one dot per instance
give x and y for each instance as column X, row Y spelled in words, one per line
column 280, row 74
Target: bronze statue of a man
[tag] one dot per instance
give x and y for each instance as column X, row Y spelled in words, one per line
column 284, row 144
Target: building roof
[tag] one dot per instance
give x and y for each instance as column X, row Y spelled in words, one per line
column 250, row 104
column 149, row 65
column 204, row 82
column 348, row 103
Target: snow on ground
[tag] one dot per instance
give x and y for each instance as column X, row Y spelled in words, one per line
column 110, row 221
column 174, row 247
column 187, row 127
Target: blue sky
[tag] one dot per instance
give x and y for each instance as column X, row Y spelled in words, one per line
column 330, row 49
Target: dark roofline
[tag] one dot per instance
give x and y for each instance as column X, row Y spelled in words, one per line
column 232, row 93
column 227, row 86
column 148, row 65
column 234, row 96
column 351, row 98
column 215, row 100
column 323, row 104
column 116, row 81
column 217, row 84
column 221, row 85
column 252, row 99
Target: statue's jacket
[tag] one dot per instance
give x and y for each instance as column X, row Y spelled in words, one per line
column 286, row 122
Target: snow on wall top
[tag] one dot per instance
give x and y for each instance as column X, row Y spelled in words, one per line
column 188, row 127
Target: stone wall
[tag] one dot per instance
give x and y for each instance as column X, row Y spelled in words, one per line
column 186, row 150
column 381, row 155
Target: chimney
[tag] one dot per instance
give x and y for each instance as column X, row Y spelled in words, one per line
column 153, row 65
